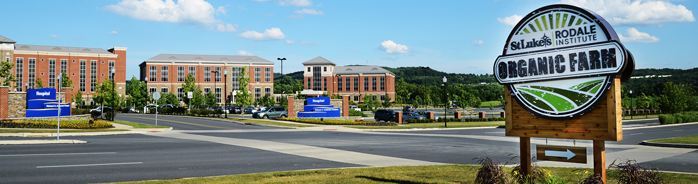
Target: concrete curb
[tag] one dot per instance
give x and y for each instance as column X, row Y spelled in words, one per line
column 20, row 142
column 231, row 121
column 425, row 129
column 132, row 131
column 670, row 145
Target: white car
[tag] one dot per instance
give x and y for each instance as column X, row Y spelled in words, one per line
column 99, row 109
column 355, row 108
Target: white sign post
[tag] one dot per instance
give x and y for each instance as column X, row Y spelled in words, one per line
column 190, row 95
column 156, row 96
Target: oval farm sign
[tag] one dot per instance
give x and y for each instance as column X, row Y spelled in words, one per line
column 559, row 61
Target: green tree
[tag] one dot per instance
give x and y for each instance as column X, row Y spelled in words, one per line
column 476, row 102
column 242, row 98
column 643, row 102
column 386, row 101
column 402, row 94
column 39, row 83
column 491, row 107
column 675, row 98
column 267, row 100
column 210, row 99
column 65, row 80
column 198, row 99
column 78, row 98
column 283, row 102
column 416, row 102
column 137, row 92
column 189, row 85
column 6, row 73
column 169, row 98
column 106, row 94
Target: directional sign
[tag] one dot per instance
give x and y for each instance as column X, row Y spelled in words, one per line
column 156, row 95
column 562, row 153
column 190, row 94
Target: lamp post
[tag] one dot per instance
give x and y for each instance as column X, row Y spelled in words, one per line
column 58, row 89
column 631, row 104
column 113, row 88
column 225, row 96
column 445, row 102
column 425, row 87
column 282, row 65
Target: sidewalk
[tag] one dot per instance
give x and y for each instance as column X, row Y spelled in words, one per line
column 130, row 129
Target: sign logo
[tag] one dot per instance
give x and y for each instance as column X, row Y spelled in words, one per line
column 559, row 61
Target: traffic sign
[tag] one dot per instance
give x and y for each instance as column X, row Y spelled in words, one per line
column 190, row 94
column 156, row 95
column 562, row 153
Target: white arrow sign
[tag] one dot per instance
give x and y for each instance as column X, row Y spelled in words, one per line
column 551, row 153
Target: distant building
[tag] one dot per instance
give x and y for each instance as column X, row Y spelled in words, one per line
column 323, row 76
column 86, row 67
column 166, row 73
column 650, row 76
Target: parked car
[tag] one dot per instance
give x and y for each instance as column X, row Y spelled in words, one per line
column 356, row 108
column 129, row 110
column 424, row 113
column 250, row 110
column 167, row 105
column 99, row 109
column 385, row 115
column 408, row 109
column 411, row 115
column 146, row 109
column 271, row 112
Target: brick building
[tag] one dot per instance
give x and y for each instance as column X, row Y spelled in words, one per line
column 86, row 67
column 323, row 76
column 166, row 73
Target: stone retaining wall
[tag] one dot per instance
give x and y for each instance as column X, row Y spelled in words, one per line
column 17, row 104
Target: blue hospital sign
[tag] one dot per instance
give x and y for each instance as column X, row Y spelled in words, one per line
column 43, row 103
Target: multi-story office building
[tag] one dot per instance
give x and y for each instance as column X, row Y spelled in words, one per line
column 323, row 76
column 166, row 73
column 86, row 67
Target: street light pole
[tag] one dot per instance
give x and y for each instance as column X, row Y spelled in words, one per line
column 282, row 65
column 446, row 102
column 225, row 96
column 214, row 83
column 631, row 104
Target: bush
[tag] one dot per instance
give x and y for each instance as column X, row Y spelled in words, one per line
column 72, row 124
column 631, row 172
column 109, row 115
column 194, row 112
column 663, row 119
column 490, row 172
column 95, row 114
column 353, row 112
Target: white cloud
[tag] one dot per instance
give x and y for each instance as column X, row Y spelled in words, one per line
column 309, row 43
column 510, row 20
column 269, row 34
column 290, row 42
column 308, row 12
column 245, row 53
column 478, row 42
column 55, row 37
column 391, row 47
column 226, row 27
column 633, row 35
column 192, row 12
column 636, row 12
column 296, row 3
column 113, row 32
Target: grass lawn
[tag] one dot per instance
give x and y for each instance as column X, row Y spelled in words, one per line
column 436, row 125
column 693, row 139
column 654, row 116
column 487, row 104
column 260, row 121
column 396, row 174
column 138, row 125
column 54, row 130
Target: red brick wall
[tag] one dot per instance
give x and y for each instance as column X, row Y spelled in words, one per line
column 345, row 106
column 289, row 108
column 4, row 105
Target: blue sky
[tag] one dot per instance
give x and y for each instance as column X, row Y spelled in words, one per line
column 452, row 36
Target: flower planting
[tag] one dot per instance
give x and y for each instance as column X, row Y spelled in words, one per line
column 70, row 124
column 338, row 122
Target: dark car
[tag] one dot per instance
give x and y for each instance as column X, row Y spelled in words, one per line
column 412, row 115
column 385, row 115
column 408, row 109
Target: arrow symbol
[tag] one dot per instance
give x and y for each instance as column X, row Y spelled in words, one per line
column 568, row 154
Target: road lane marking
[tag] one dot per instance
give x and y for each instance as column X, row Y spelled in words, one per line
column 185, row 123
column 636, row 134
column 52, row 154
column 87, row 165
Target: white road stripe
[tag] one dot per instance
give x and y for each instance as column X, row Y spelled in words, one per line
column 86, row 165
column 51, row 154
column 636, row 134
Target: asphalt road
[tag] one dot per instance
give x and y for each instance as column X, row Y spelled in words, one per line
column 200, row 148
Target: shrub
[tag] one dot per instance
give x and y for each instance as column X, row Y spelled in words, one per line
column 631, row 172
column 194, row 112
column 490, row 172
column 95, row 114
column 353, row 112
column 663, row 119
column 109, row 115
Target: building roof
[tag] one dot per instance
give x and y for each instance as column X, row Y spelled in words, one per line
column 353, row 70
column 6, row 40
column 319, row 61
column 208, row 58
column 61, row 49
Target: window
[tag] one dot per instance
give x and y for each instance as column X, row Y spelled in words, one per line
column 64, row 66
column 257, row 93
column 257, row 74
column 93, row 75
column 308, row 69
column 51, row 73
column 339, row 84
column 20, row 73
column 382, row 97
column 32, row 72
column 382, row 84
column 192, row 71
column 348, row 82
column 267, row 74
column 207, row 74
column 234, row 76
column 356, row 83
column 218, row 74
column 111, row 66
column 267, row 91
column 309, row 83
column 324, row 83
column 317, row 79
column 218, row 95
column 180, row 94
column 152, row 90
column 356, row 98
column 365, row 83
column 180, row 74
column 324, row 69
column 153, row 73
column 164, row 91
column 164, row 73
column 373, row 83
column 206, row 90
column 82, row 75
